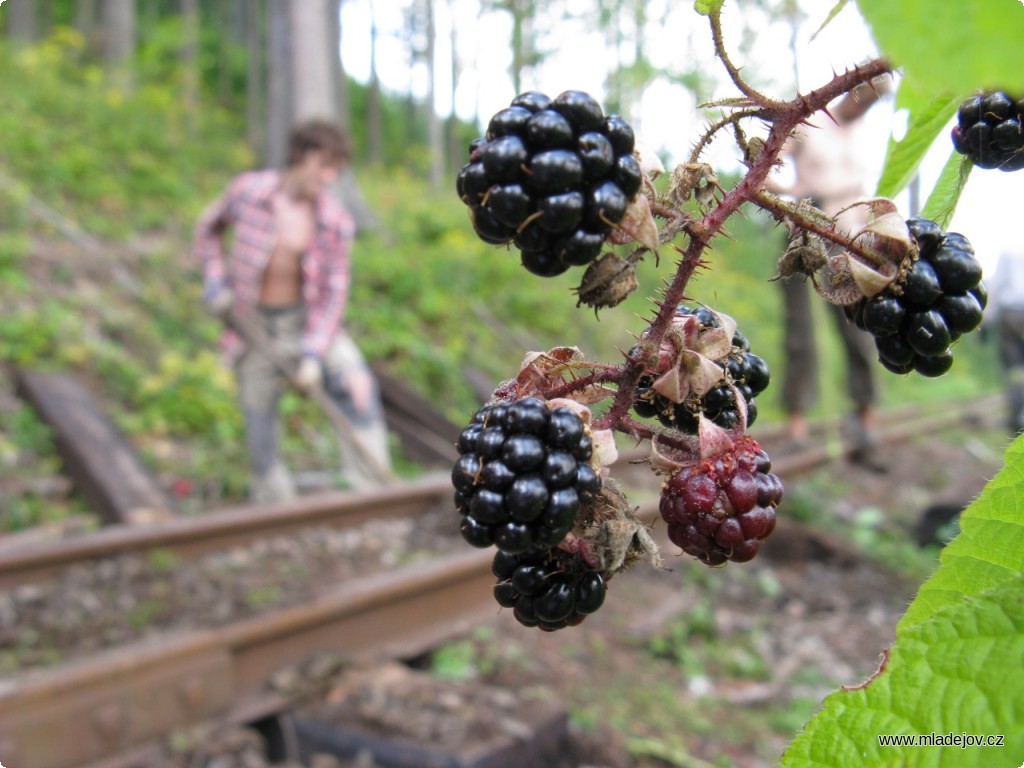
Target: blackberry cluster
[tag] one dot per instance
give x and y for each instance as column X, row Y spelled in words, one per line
column 938, row 299
column 988, row 131
column 746, row 371
column 549, row 589
column 523, row 473
column 722, row 509
column 553, row 176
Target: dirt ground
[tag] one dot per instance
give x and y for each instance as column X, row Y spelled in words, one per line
column 690, row 666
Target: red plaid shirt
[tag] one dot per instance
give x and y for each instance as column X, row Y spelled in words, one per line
column 247, row 210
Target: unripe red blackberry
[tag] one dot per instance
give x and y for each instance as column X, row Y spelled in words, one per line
column 524, row 471
column 988, row 131
column 744, row 374
column 552, row 176
column 547, row 588
column 722, row 508
column 938, row 299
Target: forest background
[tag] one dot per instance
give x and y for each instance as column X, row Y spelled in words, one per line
column 121, row 119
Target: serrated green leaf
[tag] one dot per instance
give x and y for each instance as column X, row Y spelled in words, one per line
column 707, row 7
column 941, row 203
column 928, row 115
column 952, row 47
column 958, row 672
column 989, row 548
column 958, row 662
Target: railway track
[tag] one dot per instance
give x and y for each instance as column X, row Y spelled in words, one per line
column 107, row 709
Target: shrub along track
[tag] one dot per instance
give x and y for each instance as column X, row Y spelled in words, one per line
column 336, row 578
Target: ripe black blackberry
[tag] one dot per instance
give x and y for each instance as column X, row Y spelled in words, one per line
column 938, row 299
column 548, row 589
column 523, row 473
column 553, row 176
column 744, row 374
column 723, row 508
column 988, row 131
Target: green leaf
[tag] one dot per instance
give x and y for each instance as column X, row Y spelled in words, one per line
column 836, row 9
column 946, row 193
column 952, row 47
column 989, row 548
column 958, row 662
column 928, row 115
column 707, row 7
column 958, row 672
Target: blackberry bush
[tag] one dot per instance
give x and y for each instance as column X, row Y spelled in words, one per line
column 562, row 182
column 547, row 588
column 552, row 176
column 723, row 507
column 522, row 475
column 937, row 299
column 988, row 131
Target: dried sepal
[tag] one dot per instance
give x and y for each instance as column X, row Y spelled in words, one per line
column 650, row 164
column 637, row 225
column 885, row 243
column 696, row 180
column 667, row 462
column 610, row 538
column 694, row 374
column 540, row 370
column 869, row 280
column 606, row 282
column 605, row 451
column 804, row 255
column 713, row 439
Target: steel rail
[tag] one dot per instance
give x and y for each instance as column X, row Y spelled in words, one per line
column 121, row 698
column 190, row 537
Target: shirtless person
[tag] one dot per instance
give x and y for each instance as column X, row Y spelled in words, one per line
column 289, row 266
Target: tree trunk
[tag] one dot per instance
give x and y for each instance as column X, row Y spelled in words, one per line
column 340, row 84
column 21, row 21
column 190, row 62
column 374, row 123
column 86, row 13
column 433, row 120
column 452, row 138
column 119, row 39
column 255, row 81
column 313, row 62
column 280, row 81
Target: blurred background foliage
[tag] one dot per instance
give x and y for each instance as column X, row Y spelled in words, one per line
column 101, row 180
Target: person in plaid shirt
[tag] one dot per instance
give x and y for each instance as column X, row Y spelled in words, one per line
column 289, row 266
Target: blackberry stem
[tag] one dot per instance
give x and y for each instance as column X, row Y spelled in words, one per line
column 784, row 117
column 715, row 18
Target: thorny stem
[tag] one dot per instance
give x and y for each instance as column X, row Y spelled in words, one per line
column 755, row 96
column 782, row 211
column 731, row 119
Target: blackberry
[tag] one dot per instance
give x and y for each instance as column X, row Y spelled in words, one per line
column 523, row 473
column 551, row 176
column 548, row 589
column 744, row 374
column 988, row 131
column 723, row 508
column 937, row 300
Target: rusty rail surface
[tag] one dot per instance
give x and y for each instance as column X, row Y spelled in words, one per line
column 190, row 537
column 118, row 699
column 98, row 710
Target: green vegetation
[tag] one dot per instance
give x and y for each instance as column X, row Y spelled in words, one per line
column 130, row 172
